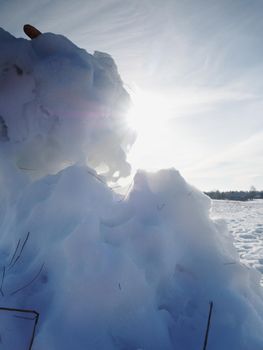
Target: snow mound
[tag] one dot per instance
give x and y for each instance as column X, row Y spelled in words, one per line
column 105, row 272
column 60, row 105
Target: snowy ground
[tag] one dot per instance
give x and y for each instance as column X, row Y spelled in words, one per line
column 245, row 221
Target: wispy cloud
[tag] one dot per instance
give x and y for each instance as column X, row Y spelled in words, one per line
column 240, row 162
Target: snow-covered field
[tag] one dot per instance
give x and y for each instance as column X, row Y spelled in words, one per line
column 245, row 222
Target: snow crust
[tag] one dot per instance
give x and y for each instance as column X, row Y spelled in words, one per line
column 104, row 271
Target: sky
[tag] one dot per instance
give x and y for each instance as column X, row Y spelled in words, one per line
column 193, row 68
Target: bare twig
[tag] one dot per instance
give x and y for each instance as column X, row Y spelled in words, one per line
column 208, row 324
column 34, row 331
column 12, row 259
column 24, row 318
column 2, row 282
column 29, row 283
column 36, row 318
column 230, row 263
column 97, row 177
column 21, row 251
column 127, row 192
column 160, row 206
column 26, row 311
column 30, row 169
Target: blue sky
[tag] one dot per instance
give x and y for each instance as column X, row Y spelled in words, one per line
column 202, row 60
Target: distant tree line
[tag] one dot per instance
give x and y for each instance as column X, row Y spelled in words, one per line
column 236, row 195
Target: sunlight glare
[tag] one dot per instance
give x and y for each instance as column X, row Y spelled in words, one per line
column 149, row 117
column 148, row 110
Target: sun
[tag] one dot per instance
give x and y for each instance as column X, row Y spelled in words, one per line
column 148, row 110
column 149, row 116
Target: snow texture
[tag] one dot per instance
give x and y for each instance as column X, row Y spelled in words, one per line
column 105, row 272
column 61, row 105
column 245, row 221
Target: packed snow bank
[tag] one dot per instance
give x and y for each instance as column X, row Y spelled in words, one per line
column 106, row 272
column 60, row 105
column 131, row 274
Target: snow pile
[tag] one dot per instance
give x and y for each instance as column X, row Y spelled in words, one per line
column 64, row 106
column 105, row 272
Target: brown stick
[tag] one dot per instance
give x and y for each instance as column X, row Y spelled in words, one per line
column 31, row 31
